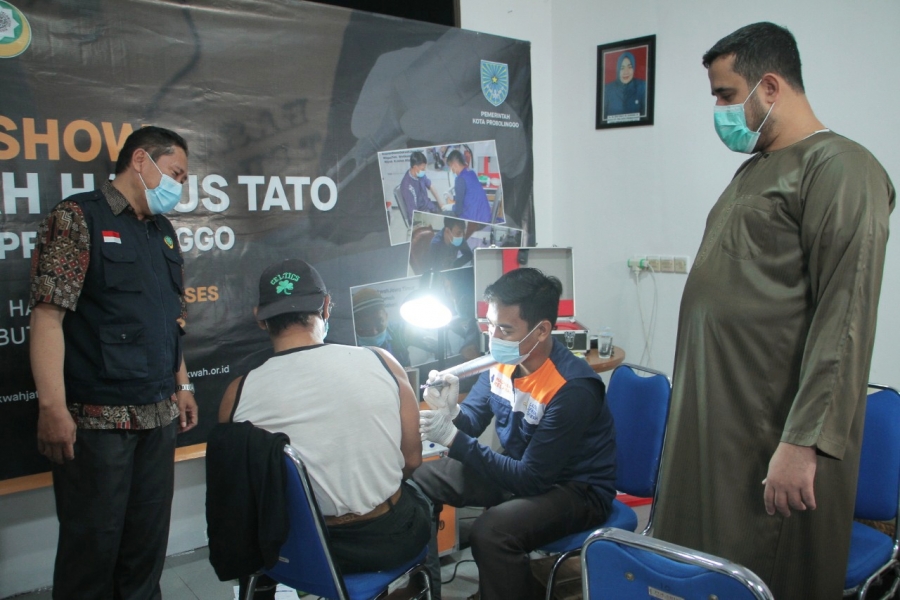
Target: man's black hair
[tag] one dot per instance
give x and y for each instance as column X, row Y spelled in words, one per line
column 451, row 222
column 457, row 157
column 758, row 49
column 416, row 159
column 155, row 140
column 536, row 295
column 277, row 324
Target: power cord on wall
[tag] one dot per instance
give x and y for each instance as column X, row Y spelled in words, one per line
column 648, row 331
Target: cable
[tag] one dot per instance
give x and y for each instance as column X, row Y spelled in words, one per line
column 455, row 567
column 647, row 332
column 654, row 319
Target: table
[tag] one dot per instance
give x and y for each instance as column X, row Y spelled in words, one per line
column 605, row 364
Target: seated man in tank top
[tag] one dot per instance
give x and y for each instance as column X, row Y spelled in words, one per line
column 358, row 466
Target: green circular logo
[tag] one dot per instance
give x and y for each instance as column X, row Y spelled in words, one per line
column 15, row 32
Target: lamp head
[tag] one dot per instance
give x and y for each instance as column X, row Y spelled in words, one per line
column 425, row 307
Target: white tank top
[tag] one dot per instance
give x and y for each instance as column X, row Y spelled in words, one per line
column 340, row 405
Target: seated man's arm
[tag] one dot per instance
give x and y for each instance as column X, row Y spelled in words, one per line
column 410, row 442
column 562, row 427
column 437, row 196
column 228, row 400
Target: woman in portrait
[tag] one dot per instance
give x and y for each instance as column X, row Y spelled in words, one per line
column 626, row 94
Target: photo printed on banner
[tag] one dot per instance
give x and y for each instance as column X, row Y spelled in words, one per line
column 442, row 241
column 457, row 180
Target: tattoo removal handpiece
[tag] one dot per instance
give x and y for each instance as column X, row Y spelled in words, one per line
column 466, row 369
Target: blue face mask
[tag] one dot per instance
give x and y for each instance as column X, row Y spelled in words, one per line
column 457, row 241
column 507, row 353
column 731, row 125
column 163, row 197
column 372, row 340
column 420, row 174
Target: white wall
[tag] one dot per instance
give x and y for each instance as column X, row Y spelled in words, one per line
column 615, row 193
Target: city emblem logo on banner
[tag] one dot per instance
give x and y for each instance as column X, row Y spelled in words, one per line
column 15, row 32
column 494, row 81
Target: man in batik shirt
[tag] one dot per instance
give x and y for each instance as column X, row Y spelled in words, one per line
column 107, row 313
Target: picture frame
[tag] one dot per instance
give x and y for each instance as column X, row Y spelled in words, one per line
column 626, row 74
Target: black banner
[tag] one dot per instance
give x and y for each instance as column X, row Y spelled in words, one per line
column 285, row 106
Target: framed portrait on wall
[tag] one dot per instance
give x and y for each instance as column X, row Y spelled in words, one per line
column 626, row 73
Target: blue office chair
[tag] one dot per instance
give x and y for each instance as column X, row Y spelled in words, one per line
column 873, row 553
column 638, row 398
column 621, row 565
column 305, row 563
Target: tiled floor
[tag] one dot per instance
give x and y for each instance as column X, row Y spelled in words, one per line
column 189, row 576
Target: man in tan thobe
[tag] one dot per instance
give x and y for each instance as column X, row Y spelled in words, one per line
column 775, row 333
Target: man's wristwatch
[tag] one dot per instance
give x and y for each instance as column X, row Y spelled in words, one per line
column 185, row 387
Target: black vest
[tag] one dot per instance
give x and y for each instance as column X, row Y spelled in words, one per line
column 122, row 339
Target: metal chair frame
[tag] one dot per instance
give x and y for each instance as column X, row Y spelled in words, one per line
column 401, row 206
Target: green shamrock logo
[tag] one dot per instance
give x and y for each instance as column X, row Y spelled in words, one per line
column 284, row 287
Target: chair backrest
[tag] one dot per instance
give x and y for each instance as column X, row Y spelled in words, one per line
column 498, row 202
column 621, row 565
column 401, row 204
column 305, row 560
column 639, row 401
column 878, row 488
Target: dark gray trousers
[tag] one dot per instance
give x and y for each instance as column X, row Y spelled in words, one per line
column 512, row 526
column 114, row 503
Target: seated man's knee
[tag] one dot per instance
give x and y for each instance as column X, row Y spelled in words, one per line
column 488, row 532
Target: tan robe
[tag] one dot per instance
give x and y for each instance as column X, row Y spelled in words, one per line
column 774, row 344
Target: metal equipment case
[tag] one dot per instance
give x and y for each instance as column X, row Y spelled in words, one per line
column 491, row 263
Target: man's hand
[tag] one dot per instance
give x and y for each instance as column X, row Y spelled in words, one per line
column 445, row 399
column 56, row 433
column 437, row 427
column 187, row 409
column 789, row 482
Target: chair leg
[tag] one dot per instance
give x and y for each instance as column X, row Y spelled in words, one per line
column 251, row 587
column 427, row 580
column 551, row 581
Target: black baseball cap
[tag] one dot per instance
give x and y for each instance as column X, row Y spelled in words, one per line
column 290, row 286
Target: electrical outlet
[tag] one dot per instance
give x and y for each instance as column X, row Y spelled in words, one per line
column 681, row 264
column 637, row 263
column 653, row 261
column 666, row 264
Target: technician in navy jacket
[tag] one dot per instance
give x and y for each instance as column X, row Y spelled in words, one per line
column 470, row 203
column 113, row 392
column 557, row 473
